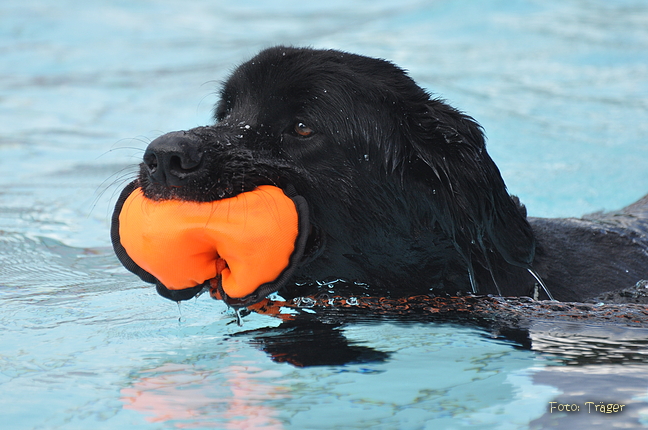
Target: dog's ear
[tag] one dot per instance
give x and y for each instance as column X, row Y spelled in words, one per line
column 448, row 152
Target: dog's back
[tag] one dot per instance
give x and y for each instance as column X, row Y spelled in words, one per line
column 602, row 255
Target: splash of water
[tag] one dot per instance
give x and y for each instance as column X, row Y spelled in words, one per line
column 239, row 316
column 542, row 284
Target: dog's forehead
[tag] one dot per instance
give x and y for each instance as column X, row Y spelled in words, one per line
column 280, row 76
column 287, row 73
column 281, row 85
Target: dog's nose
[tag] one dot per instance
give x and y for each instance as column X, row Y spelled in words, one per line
column 173, row 159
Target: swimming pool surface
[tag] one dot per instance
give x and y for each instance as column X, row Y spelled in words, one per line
column 561, row 88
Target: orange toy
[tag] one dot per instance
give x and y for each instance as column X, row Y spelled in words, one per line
column 250, row 240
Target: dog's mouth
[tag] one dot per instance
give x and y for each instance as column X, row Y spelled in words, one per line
column 241, row 248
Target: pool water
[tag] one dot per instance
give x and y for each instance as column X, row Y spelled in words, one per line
column 561, row 88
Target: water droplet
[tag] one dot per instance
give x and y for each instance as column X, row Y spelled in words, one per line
column 239, row 317
column 307, row 302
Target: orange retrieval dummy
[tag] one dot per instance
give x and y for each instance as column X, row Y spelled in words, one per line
column 252, row 240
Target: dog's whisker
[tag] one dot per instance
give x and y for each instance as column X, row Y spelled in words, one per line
column 121, row 176
column 117, row 181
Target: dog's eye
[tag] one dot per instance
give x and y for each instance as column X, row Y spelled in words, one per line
column 303, row 130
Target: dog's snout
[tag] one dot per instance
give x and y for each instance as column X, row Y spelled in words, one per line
column 173, row 159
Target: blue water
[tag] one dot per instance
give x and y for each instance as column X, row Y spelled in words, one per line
column 561, row 88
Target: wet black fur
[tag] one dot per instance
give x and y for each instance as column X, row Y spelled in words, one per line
column 401, row 191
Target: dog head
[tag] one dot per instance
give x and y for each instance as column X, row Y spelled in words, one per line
column 399, row 186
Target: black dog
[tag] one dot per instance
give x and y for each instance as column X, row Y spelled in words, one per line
column 401, row 192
